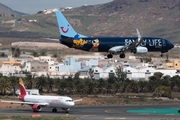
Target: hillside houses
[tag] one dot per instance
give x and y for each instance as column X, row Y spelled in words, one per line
column 92, row 68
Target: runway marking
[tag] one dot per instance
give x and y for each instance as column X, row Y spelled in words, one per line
column 115, row 118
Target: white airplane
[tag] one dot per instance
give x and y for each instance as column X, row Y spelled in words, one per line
column 38, row 101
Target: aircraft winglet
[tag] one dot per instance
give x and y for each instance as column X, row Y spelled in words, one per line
column 138, row 34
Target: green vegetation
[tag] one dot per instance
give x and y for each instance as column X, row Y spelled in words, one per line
column 161, row 86
column 163, row 91
column 16, row 52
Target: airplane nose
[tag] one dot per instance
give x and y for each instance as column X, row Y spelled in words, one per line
column 171, row 45
column 73, row 104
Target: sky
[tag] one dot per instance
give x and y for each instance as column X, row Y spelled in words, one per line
column 33, row 6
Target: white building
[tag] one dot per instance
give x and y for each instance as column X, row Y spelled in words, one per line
column 146, row 72
column 29, row 91
column 103, row 72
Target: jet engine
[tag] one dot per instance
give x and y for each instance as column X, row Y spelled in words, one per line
column 36, row 108
column 140, row 50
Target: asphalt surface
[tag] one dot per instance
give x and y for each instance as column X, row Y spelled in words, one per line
column 102, row 112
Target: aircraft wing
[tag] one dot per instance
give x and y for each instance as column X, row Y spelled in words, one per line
column 133, row 45
column 25, row 103
column 77, row 100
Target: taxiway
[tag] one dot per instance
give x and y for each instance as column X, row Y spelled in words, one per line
column 99, row 112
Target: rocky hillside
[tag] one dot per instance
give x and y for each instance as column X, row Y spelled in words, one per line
column 4, row 10
column 156, row 18
column 121, row 18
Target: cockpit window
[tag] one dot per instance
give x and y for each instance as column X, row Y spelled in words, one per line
column 69, row 100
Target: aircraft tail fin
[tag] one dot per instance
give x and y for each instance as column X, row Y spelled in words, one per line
column 21, row 87
column 65, row 29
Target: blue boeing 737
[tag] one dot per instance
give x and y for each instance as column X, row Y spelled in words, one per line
column 112, row 45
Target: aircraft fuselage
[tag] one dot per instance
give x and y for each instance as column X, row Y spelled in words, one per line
column 103, row 44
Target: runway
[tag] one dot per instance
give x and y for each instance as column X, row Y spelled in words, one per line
column 100, row 112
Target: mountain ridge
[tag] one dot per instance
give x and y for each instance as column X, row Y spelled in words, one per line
column 159, row 18
column 5, row 10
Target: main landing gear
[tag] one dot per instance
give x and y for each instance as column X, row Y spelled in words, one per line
column 122, row 55
column 109, row 55
column 66, row 109
column 54, row 110
column 162, row 54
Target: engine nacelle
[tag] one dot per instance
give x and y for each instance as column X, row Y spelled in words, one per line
column 36, row 108
column 140, row 50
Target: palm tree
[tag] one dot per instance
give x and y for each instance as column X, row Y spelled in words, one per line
column 13, row 50
column 41, row 83
column 18, row 52
column 50, row 84
column 13, row 83
column 4, row 85
column 120, row 75
column 91, row 74
column 29, row 79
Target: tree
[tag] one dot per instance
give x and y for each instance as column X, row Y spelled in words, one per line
column 4, row 85
column 35, row 54
column 102, row 86
column 3, row 54
column 132, row 87
column 50, row 84
column 13, row 50
column 29, row 79
column 16, row 52
column 120, row 75
column 175, row 83
column 41, row 83
column 91, row 74
column 158, row 75
column 43, row 53
column 163, row 91
column 141, row 86
column 76, row 76
column 13, row 83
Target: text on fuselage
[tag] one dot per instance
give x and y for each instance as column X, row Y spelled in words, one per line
column 146, row 42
